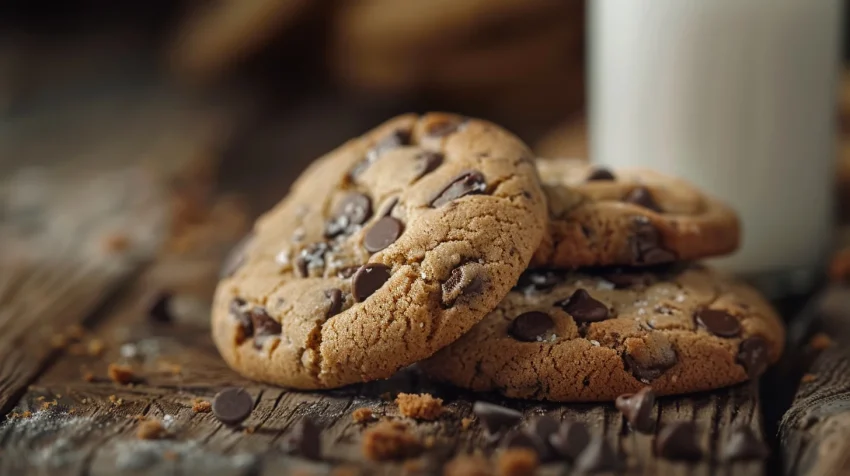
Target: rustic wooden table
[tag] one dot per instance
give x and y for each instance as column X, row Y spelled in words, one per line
column 87, row 240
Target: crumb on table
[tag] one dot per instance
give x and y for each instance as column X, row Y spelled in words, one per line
column 201, row 406
column 362, row 415
column 121, row 374
column 465, row 423
column 820, row 341
column 516, row 462
column 150, row 430
column 419, row 406
column 389, row 440
column 88, row 377
column 95, row 347
column 468, row 465
column 809, row 378
column 116, row 242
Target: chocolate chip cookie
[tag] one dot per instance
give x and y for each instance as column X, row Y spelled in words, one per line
column 600, row 217
column 386, row 250
column 590, row 336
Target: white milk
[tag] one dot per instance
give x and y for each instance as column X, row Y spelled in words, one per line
column 738, row 96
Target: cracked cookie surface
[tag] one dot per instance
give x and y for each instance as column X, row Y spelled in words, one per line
column 385, row 250
column 628, row 217
column 591, row 336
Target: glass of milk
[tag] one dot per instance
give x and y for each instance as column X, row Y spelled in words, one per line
column 738, row 97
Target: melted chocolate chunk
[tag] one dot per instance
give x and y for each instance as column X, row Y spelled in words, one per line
column 467, row 183
column 531, row 326
column 718, row 322
column 678, row 441
column 239, row 311
column 426, row 162
column 637, row 408
column 354, row 210
column 645, row 244
column 465, row 280
column 495, row 418
column 311, row 257
column 444, row 127
column 263, row 324
column 334, row 296
column 368, row 279
column 583, row 308
column 641, row 196
column 382, row 234
column 648, row 373
column 600, row 173
column 753, row 356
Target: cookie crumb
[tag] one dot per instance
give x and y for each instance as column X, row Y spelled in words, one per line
column 249, row 430
column 419, row 406
column 201, row 406
column 116, row 242
column 821, row 341
column 465, row 423
column 430, row 441
column 88, row 377
column 26, row 414
column 809, row 378
column 95, row 347
column 120, row 374
column 150, row 430
column 362, row 415
column 517, row 462
column 390, row 440
column 116, row 401
column 468, row 465
column 170, row 455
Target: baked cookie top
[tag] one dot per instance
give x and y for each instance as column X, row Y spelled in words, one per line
column 629, row 217
column 593, row 336
column 386, row 250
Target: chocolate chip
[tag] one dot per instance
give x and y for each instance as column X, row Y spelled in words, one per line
column 600, row 173
column 570, row 440
column 678, row 441
column 368, row 279
column 538, row 280
column 531, row 326
column 264, row 325
column 334, row 295
column 744, row 445
column 718, row 322
column 645, row 244
column 470, row 182
column 426, row 162
column 543, row 428
column 311, row 257
column 753, row 356
column 641, row 196
column 521, row 439
column 495, row 418
column 382, row 234
column 637, row 408
column 232, row 405
column 465, row 280
column 444, row 127
column 236, row 257
column 647, row 372
column 583, row 308
column 305, row 439
column 354, row 210
column 598, row 456
column 239, row 310
column 159, row 307
column 391, row 141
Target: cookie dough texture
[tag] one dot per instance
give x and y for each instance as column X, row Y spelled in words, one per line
column 451, row 209
column 651, row 331
column 634, row 217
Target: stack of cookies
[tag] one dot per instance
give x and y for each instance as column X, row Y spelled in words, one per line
column 440, row 240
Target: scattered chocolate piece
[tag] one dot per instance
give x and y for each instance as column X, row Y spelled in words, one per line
column 390, row 440
column 517, row 438
column 744, row 445
column 470, row 182
column 637, row 408
column 236, row 257
column 600, row 173
column 232, row 405
column 426, row 162
column 531, row 326
column 444, row 127
column 645, row 243
column 120, row 374
column 538, row 280
column 570, row 440
column 419, row 407
column 263, row 324
column 159, row 307
column 368, row 279
column 362, row 415
column 678, row 441
column 544, row 427
column 718, row 322
column 753, row 356
column 354, row 210
column 583, row 308
column 311, row 257
column 465, row 280
column 382, row 234
column 334, row 295
column 517, row 462
column 495, row 418
column 150, row 430
column 305, row 439
column 641, row 196
column 598, row 456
